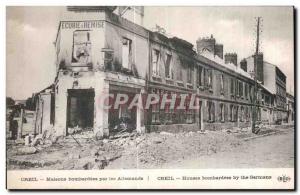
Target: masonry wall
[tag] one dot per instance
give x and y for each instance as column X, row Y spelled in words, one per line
column 114, row 34
column 43, row 111
column 65, row 45
column 85, row 80
column 105, row 36
column 108, row 36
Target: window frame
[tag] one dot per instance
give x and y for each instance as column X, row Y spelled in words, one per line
column 129, row 56
column 156, row 64
column 88, row 47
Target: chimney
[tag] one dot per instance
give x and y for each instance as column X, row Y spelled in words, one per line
column 206, row 44
column 219, row 50
column 243, row 65
column 231, row 58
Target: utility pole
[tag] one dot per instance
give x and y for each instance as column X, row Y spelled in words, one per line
column 254, row 108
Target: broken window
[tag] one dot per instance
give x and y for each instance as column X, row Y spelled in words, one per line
column 155, row 62
column 242, row 114
column 189, row 75
column 168, row 66
column 222, row 83
column 232, row 86
column 222, row 112
column 236, row 112
column 108, row 55
column 231, row 113
column 210, row 79
column 267, row 101
column 250, row 93
column 246, row 90
column 237, row 93
column 263, row 99
column 241, row 89
column 200, row 76
column 247, row 114
column 179, row 76
column 126, row 53
column 81, row 47
column 211, row 111
column 155, row 108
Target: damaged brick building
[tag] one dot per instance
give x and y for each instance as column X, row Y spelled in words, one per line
column 99, row 52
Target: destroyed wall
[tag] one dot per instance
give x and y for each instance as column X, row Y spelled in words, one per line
column 84, row 80
column 91, row 23
column 43, row 112
column 175, row 69
column 172, row 71
column 171, row 64
column 105, row 38
column 121, row 34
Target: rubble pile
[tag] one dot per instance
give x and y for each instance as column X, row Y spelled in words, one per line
column 155, row 149
column 82, row 150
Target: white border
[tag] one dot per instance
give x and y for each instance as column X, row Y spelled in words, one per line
column 5, row 3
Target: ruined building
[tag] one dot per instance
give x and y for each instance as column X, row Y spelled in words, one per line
column 99, row 52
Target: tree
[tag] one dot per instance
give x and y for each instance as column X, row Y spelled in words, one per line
column 10, row 101
column 29, row 104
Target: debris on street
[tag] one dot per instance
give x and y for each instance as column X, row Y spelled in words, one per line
column 82, row 150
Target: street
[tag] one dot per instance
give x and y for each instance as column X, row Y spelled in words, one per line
column 274, row 151
column 273, row 147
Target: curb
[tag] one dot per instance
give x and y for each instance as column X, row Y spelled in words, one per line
column 267, row 134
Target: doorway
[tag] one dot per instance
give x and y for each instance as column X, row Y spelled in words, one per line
column 80, row 108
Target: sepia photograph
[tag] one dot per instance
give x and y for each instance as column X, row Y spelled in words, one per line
column 104, row 94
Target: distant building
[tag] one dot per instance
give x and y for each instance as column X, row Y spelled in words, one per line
column 273, row 79
column 260, row 66
column 290, row 108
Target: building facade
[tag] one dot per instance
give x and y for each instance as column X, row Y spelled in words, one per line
column 290, row 108
column 274, row 80
column 99, row 53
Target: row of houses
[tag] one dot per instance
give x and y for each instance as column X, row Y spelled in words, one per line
column 100, row 52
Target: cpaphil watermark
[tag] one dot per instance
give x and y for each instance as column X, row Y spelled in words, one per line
column 146, row 101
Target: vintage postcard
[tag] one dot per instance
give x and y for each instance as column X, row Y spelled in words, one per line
column 141, row 97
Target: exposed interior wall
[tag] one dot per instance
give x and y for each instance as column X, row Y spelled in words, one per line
column 84, row 80
column 99, row 82
column 138, row 55
column 65, row 41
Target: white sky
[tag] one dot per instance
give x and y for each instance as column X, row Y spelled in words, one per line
column 31, row 31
